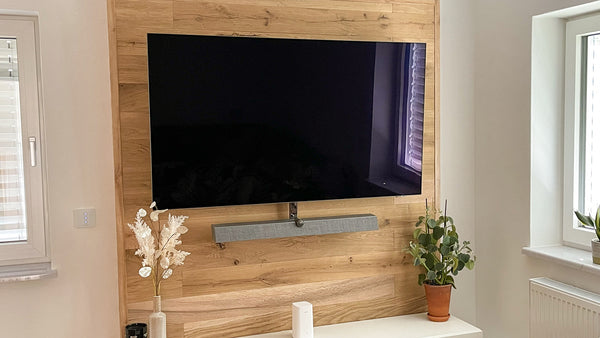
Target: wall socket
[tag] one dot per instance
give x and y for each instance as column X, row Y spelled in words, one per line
column 84, row 218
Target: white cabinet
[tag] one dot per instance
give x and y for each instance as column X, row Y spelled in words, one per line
column 409, row 326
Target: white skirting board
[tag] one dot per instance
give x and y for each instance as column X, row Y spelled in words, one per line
column 560, row 310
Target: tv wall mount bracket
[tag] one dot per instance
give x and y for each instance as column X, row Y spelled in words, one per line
column 293, row 208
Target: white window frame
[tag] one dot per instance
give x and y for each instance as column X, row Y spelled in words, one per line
column 573, row 233
column 36, row 249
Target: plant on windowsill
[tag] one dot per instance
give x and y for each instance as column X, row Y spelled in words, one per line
column 594, row 223
column 159, row 257
column 437, row 249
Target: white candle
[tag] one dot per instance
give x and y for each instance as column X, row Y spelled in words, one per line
column 302, row 320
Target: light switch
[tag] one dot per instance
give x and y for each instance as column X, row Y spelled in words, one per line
column 84, row 218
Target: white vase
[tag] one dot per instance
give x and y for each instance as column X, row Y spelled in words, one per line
column 157, row 323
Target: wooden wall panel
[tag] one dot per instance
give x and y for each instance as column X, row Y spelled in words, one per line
column 244, row 288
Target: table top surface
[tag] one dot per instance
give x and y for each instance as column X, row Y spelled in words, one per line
column 408, row 326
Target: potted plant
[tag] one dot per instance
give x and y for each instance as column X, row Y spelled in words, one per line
column 437, row 249
column 594, row 223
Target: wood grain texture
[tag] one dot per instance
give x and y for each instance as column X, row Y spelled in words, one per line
column 198, row 313
column 244, row 288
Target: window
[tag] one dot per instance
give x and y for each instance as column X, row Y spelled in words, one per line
column 589, row 158
column 22, row 220
column 582, row 126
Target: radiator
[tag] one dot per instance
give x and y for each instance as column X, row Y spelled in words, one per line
column 562, row 311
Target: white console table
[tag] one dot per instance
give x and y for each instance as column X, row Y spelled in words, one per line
column 409, row 326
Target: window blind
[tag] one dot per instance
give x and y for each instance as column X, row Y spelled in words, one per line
column 12, row 188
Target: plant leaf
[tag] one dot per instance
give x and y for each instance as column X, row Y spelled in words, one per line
column 438, row 232
column 430, row 275
column 586, row 220
column 431, row 223
column 421, row 278
column 597, row 222
column 464, row 257
column 417, row 232
column 141, row 213
column 450, row 280
column 446, row 240
column 145, row 271
column 429, row 261
column 154, row 214
column 470, row 264
column 164, row 262
column 454, row 265
column 444, row 249
column 453, row 239
column 424, row 239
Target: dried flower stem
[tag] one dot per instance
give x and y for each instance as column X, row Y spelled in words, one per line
column 157, row 278
column 157, row 263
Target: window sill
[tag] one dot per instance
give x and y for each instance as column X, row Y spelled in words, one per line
column 574, row 258
column 26, row 272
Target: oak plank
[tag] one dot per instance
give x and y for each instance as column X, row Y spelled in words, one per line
column 144, row 13
column 198, row 16
column 134, row 98
column 368, row 6
column 323, row 314
column 133, row 69
column 249, row 277
column 266, row 300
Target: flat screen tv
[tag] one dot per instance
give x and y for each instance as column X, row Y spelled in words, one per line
column 241, row 120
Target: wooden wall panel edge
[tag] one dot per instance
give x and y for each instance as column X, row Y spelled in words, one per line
column 436, row 94
column 118, row 169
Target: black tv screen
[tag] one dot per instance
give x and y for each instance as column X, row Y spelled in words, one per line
column 239, row 120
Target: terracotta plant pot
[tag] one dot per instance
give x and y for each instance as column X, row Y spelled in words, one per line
column 438, row 302
column 596, row 251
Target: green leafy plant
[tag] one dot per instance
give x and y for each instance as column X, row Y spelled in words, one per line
column 437, row 249
column 589, row 221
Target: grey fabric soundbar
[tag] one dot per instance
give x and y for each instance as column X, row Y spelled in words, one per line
column 232, row 232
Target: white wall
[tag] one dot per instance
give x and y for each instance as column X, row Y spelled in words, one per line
column 502, row 166
column 457, row 124
column 83, row 300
